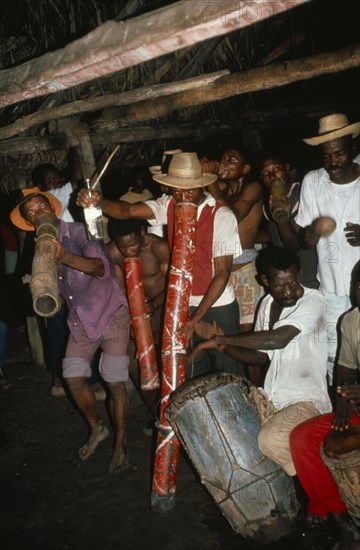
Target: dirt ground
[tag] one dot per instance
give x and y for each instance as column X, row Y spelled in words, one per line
column 51, row 500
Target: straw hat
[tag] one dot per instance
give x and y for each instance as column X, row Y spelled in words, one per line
column 155, row 169
column 185, row 172
column 333, row 127
column 27, row 194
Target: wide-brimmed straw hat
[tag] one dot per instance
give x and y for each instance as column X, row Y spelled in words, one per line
column 27, row 194
column 333, row 127
column 155, row 169
column 185, row 172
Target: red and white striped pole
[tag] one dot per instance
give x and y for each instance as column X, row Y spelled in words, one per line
column 140, row 320
column 174, row 352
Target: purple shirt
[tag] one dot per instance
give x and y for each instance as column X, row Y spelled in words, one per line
column 92, row 301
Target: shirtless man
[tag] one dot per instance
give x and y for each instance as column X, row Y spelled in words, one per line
column 244, row 196
column 129, row 240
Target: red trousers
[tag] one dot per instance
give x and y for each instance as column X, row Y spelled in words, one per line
column 314, row 475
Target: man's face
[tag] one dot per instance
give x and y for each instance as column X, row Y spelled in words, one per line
column 284, row 286
column 51, row 179
column 129, row 245
column 35, row 206
column 337, row 156
column 138, row 184
column 234, row 165
column 273, row 168
column 195, row 196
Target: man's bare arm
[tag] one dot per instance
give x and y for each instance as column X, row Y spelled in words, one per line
column 251, row 195
column 264, row 339
column 116, row 209
column 161, row 251
column 222, row 271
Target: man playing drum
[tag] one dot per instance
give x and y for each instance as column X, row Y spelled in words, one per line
column 289, row 331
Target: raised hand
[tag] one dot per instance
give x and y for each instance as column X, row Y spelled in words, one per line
column 352, row 233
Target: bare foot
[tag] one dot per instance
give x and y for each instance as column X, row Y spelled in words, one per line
column 119, row 462
column 98, row 434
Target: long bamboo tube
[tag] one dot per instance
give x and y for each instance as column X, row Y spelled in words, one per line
column 174, row 353
column 149, row 377
column 43, row 285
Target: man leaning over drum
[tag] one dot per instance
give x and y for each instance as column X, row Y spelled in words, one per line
column 289, row 331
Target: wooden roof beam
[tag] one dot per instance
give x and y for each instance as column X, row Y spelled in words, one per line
column 253, row 80
column 116, row 45
column 111, row 100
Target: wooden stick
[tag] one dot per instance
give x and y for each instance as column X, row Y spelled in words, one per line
column 97, row 179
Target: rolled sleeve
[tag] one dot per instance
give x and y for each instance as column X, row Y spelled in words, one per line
column 159, row 208
column 226, row 241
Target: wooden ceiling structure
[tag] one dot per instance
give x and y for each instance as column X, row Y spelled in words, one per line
column 155, row 74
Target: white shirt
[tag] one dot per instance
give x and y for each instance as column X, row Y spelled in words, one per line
column 298, row 372
column 336, row 257
column 63, row 195
column 226, row 240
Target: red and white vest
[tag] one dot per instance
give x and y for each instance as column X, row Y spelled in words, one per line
column 203, row 256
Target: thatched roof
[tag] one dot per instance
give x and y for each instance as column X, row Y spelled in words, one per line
column 115, row 83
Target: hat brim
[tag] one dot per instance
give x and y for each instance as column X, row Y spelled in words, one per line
column 184, row 183
column 352, row 129
column 155, row 169
column 17, row 218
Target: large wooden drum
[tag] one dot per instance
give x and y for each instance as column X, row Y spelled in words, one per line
column 341, row 453
column 217, row 422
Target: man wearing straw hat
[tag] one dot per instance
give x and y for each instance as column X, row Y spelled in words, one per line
column 329, row 218
column 98, row 316
column 212, row 297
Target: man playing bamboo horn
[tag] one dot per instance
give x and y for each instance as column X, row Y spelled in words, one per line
column 217, row 242
column 98, row 316
column 129, row 240
column 331, row 192
column 49, row 179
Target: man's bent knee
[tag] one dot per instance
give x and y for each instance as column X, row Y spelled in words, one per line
column 76, row 367
column 114, row 369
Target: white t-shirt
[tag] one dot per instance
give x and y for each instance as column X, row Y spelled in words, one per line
column 226, row 240
column 336, row 257
column 298, row 372
column 63, row 195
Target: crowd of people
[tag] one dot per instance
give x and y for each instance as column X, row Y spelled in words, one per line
column 269, row 297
